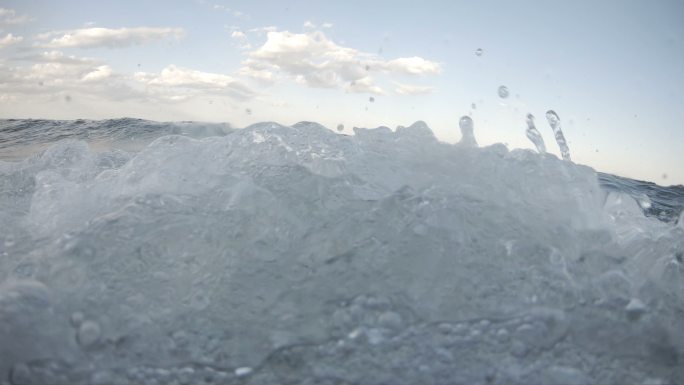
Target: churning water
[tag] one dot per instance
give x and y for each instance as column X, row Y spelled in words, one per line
column 139, row 252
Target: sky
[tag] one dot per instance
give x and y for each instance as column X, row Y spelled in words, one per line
column 613, row 70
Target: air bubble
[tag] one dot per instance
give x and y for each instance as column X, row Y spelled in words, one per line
column 503, row 92
column 88, row 334
column 76, row 319
column 635, row 309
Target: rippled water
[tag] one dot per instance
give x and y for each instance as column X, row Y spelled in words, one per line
column 142, row 252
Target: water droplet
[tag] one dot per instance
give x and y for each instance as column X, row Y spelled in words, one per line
column 534, row 135
column 554, row 122
column 248, row 111
column 88, row 334
column 371, row 99
column 473, row 106
column 503, row 92
column 467, row 127
column 367, row 67
column 340, row 127
column 67, row 98
column 479, row 52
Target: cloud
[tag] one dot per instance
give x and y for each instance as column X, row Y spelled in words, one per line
column 10, row 17
column 52, row 74
column 240, row 39
column 188, row 81
column 57, row 57
column 100, row 73
column 9, row 39
column 261, row 75
column 405, row 89
column 238, row 35
column 413, row 66
column 365, row 85
column 314, row 60
column 107, row 37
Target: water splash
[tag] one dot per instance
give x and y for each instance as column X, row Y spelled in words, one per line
column 554, row 122
column 534, row 135
column 467, row 136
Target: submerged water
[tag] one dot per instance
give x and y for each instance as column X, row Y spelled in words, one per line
column 144, row 252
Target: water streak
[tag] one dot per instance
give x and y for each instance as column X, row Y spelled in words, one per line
column 534, row 135
column 467, row 136
column 554, row 122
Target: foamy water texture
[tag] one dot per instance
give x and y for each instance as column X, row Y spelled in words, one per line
column 294, row 255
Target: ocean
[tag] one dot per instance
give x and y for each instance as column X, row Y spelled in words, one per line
column 134, row 251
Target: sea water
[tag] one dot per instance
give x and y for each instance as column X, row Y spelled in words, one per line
column 139, row 252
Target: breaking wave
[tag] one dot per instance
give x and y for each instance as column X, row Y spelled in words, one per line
column 146, row 252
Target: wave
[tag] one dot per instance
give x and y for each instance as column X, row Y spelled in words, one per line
column 276, row 254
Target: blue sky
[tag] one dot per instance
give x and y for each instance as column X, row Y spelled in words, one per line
column 612, row 70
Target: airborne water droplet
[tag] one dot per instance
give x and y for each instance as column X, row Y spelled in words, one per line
column 503, row 92
column 554, row 122
column 467, row 136
column 534, row 135
column 478, row 52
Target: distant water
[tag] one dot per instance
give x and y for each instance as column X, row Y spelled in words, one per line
column 664, row 203
column 20, row 138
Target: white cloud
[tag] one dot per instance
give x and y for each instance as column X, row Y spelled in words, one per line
column 262, row 75
column 9, row 39
column 414, row 66
column 58, row 57
column 10, row 17
column 406, row 89
column 326, row 25
column 100, row 73
column 53, row 73
column 183, row 80
column 314, row 60
column 309, row 25
column 238, row 35
column 365, row 85
column 107, row 37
